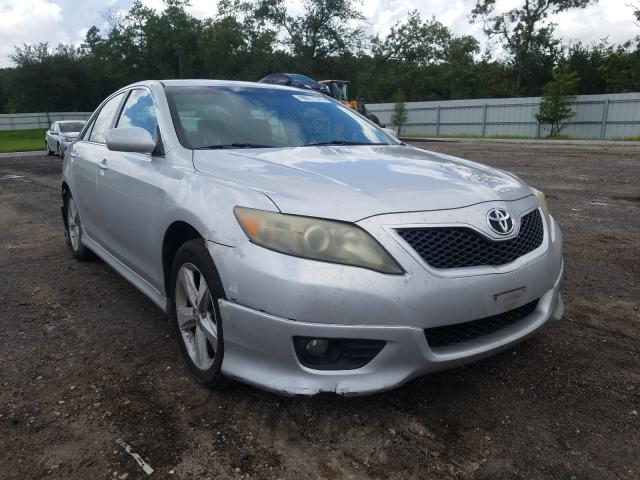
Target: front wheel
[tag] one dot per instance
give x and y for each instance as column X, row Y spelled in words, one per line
column 195, row 290
column 47, row 149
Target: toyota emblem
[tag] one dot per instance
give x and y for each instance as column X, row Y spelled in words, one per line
column 500, row 221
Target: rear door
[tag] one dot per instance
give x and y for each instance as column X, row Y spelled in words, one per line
column 85, row 158
column 128, row 193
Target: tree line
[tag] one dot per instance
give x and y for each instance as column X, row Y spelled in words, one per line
column 419, row 59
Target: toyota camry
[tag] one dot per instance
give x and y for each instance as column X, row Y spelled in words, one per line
column 300, row 248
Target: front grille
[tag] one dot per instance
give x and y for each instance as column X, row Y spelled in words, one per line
column 461, row 332
column 456, row 247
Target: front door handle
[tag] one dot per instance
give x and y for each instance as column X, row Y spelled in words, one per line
column 103, row 164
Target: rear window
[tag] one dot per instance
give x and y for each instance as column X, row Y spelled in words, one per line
column 302, row 79
column 71, row 127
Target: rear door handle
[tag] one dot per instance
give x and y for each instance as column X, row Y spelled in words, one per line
column 103, row 164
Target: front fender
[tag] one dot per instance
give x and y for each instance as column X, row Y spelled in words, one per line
column 207, row 203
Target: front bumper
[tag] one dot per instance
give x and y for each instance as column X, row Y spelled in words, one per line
column 272, row 298
column 259, row 350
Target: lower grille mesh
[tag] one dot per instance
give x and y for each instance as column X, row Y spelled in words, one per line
column 461, row 332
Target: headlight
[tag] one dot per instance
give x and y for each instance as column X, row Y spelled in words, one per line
column 542, row 200
column 67, row 139
column 317, row 239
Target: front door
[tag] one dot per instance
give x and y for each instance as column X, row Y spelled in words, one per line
column 128, row 194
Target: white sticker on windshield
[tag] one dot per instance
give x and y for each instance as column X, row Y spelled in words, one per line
column 312, row 98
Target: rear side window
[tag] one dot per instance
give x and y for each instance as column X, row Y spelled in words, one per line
column 139, row 111
column 87, row 132
column 104, row 120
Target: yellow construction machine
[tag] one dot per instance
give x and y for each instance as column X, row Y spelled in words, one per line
column 339, row 90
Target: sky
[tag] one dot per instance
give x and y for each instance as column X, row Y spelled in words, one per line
column 67, row 21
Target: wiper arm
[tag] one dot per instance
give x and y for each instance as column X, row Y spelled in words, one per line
column 341, row 142
column 234, row 145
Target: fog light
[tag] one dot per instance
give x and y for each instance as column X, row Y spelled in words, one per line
column 336, row 353
column 316, row 347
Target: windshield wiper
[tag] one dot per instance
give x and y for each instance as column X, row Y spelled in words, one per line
column 341, row 142
column 234, row 145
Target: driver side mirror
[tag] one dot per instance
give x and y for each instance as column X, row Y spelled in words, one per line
column 131, row 139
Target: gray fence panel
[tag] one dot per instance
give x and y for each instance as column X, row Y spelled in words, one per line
column 34, row 121
column 596, row 116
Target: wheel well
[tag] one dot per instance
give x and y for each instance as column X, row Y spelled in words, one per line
column 176, row 235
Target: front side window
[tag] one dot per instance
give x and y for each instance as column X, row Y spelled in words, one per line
column 139, row 111
column 104, row 120
column 244, row 117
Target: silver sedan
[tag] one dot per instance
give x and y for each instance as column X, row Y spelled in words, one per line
column 60, row 135
column 300, row 248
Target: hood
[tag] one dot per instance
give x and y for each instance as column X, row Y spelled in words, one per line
column 70, row 134
column 354, row 182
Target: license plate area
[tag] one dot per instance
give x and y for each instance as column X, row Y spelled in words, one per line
column 507, row 300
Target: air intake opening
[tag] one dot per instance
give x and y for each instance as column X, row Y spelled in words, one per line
column 462, row 332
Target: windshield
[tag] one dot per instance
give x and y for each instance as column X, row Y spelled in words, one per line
column 71, row 127
column 245, row 117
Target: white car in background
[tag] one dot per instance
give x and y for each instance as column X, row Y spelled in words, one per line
column 61, row 135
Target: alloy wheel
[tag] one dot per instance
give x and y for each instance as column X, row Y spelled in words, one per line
column 196, row 316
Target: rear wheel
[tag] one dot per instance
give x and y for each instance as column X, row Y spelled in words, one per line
column 73, row 230
column 195, row 290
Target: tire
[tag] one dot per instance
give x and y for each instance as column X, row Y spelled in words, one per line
column 46, row 147
column 195, row 312
column 58, row 148
column 73, row 231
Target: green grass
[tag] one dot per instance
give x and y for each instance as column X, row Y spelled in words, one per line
column 21, row 140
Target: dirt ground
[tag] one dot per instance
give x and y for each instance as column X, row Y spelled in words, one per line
column 86, row 360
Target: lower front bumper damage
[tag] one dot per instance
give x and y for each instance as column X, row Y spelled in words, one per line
column 259, row 350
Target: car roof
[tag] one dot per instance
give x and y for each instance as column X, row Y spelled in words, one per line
column 212, row 83
column 208, row 83
column 71, row 121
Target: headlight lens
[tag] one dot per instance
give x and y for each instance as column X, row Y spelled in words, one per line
column 67, row 139
column 542, row 200
column 317, row 239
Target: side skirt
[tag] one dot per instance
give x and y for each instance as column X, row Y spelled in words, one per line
column 132, row 277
